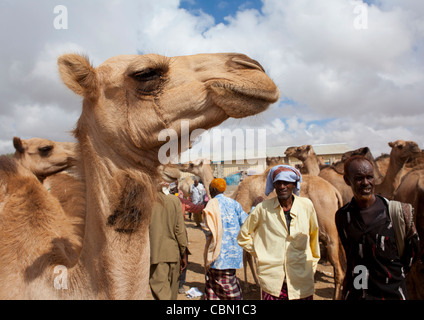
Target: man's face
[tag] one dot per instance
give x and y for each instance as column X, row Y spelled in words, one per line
column 361, row 179
column 284, row 189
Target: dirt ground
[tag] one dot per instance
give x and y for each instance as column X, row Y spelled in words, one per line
column 324, row 282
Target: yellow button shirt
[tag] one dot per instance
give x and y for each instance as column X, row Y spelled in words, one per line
column 282, row 256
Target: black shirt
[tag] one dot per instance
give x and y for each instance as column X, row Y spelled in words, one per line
column 369, row 241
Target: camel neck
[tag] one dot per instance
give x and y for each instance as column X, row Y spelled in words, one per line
column 120, row 246
column 312, row 166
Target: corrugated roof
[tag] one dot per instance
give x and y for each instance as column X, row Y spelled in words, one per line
column 320, row 149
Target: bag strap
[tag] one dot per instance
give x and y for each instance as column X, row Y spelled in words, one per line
column 398, row 222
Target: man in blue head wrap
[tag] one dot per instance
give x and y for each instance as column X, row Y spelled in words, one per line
column 282, row 233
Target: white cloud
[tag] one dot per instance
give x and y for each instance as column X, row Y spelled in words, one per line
column 338, row 83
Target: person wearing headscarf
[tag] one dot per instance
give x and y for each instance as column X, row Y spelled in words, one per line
column 282, row 233
column 223, row 217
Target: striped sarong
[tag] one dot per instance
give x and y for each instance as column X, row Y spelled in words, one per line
column 222, row 285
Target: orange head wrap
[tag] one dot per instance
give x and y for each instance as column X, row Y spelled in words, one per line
column 219, row 184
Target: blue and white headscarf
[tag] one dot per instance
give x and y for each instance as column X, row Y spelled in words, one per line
column 284, row 173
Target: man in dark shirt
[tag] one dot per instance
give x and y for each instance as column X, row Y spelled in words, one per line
column 376, row 263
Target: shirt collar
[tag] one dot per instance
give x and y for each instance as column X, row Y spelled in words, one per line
column 277, row 203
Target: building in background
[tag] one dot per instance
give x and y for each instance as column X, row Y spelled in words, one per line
column 241, row 164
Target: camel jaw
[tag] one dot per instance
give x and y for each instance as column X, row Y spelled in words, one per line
column 241, row 102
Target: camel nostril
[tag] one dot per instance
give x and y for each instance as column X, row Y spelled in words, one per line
column 242, row 61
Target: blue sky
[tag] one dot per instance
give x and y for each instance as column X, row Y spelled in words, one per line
column 220, row 9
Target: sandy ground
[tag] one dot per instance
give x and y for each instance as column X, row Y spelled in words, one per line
column 324, row 282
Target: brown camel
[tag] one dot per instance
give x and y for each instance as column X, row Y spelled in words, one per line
column 184, row 185
column 326, row 200
column 306, row 154
column 47, row 159
column 272, row 161
column 411, row 190
column 200, row 168
column 128, row 101
column 400, row 153
column 334, row 173
column 44, row 157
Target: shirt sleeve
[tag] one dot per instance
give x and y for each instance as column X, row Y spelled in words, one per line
column 180, row 230
column 314, row 238
column 244, row 238
column 242, row 216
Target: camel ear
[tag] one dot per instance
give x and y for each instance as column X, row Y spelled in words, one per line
column 17, row 143
column 78, row 74
column 391, row 144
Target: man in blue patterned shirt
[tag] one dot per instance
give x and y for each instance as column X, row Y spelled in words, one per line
column 223, row 255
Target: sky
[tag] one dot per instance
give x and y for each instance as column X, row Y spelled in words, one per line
column 348, row 71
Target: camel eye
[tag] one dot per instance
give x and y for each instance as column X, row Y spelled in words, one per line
column 146, row 75
column 44, row 151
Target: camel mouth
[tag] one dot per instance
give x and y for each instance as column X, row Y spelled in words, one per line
column 241, row 102
column 269, row 96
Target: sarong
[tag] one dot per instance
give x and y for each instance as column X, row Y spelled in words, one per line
column 222, row 285
column 283, row 295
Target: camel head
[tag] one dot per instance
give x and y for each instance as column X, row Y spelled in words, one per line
column 195, row 167
column 403, row 151
column 364, row 151
column 44, row 157
column 273, row 161
column 301, row 153
column 130, row 99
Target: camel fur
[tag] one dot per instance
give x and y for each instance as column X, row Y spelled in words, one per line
column 127, row 102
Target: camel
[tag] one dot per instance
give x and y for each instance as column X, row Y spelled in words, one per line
column 272, row 161
column 184, row 185
column 382, row 163
column 400, row 153
column 326, row 199
column 50, row 161
column 411, row 190
column 127, row 102
column 44, row 157
column 334, row 173
column 200, row 168
column 306, row 154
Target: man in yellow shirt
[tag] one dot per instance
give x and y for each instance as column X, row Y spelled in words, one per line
column 282, row 233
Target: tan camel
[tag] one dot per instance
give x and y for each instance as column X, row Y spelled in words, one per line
column 400, row 153
column 306, row 154
column 272, row 161
column 411, row 190
column 382, row 163
column 200, row 168
column 326, row 200
column 44, row 157
column 128, row 101
column 47, row 159
column 334, row 173
column 184, row 185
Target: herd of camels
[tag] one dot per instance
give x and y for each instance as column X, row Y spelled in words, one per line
column 92, row 219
